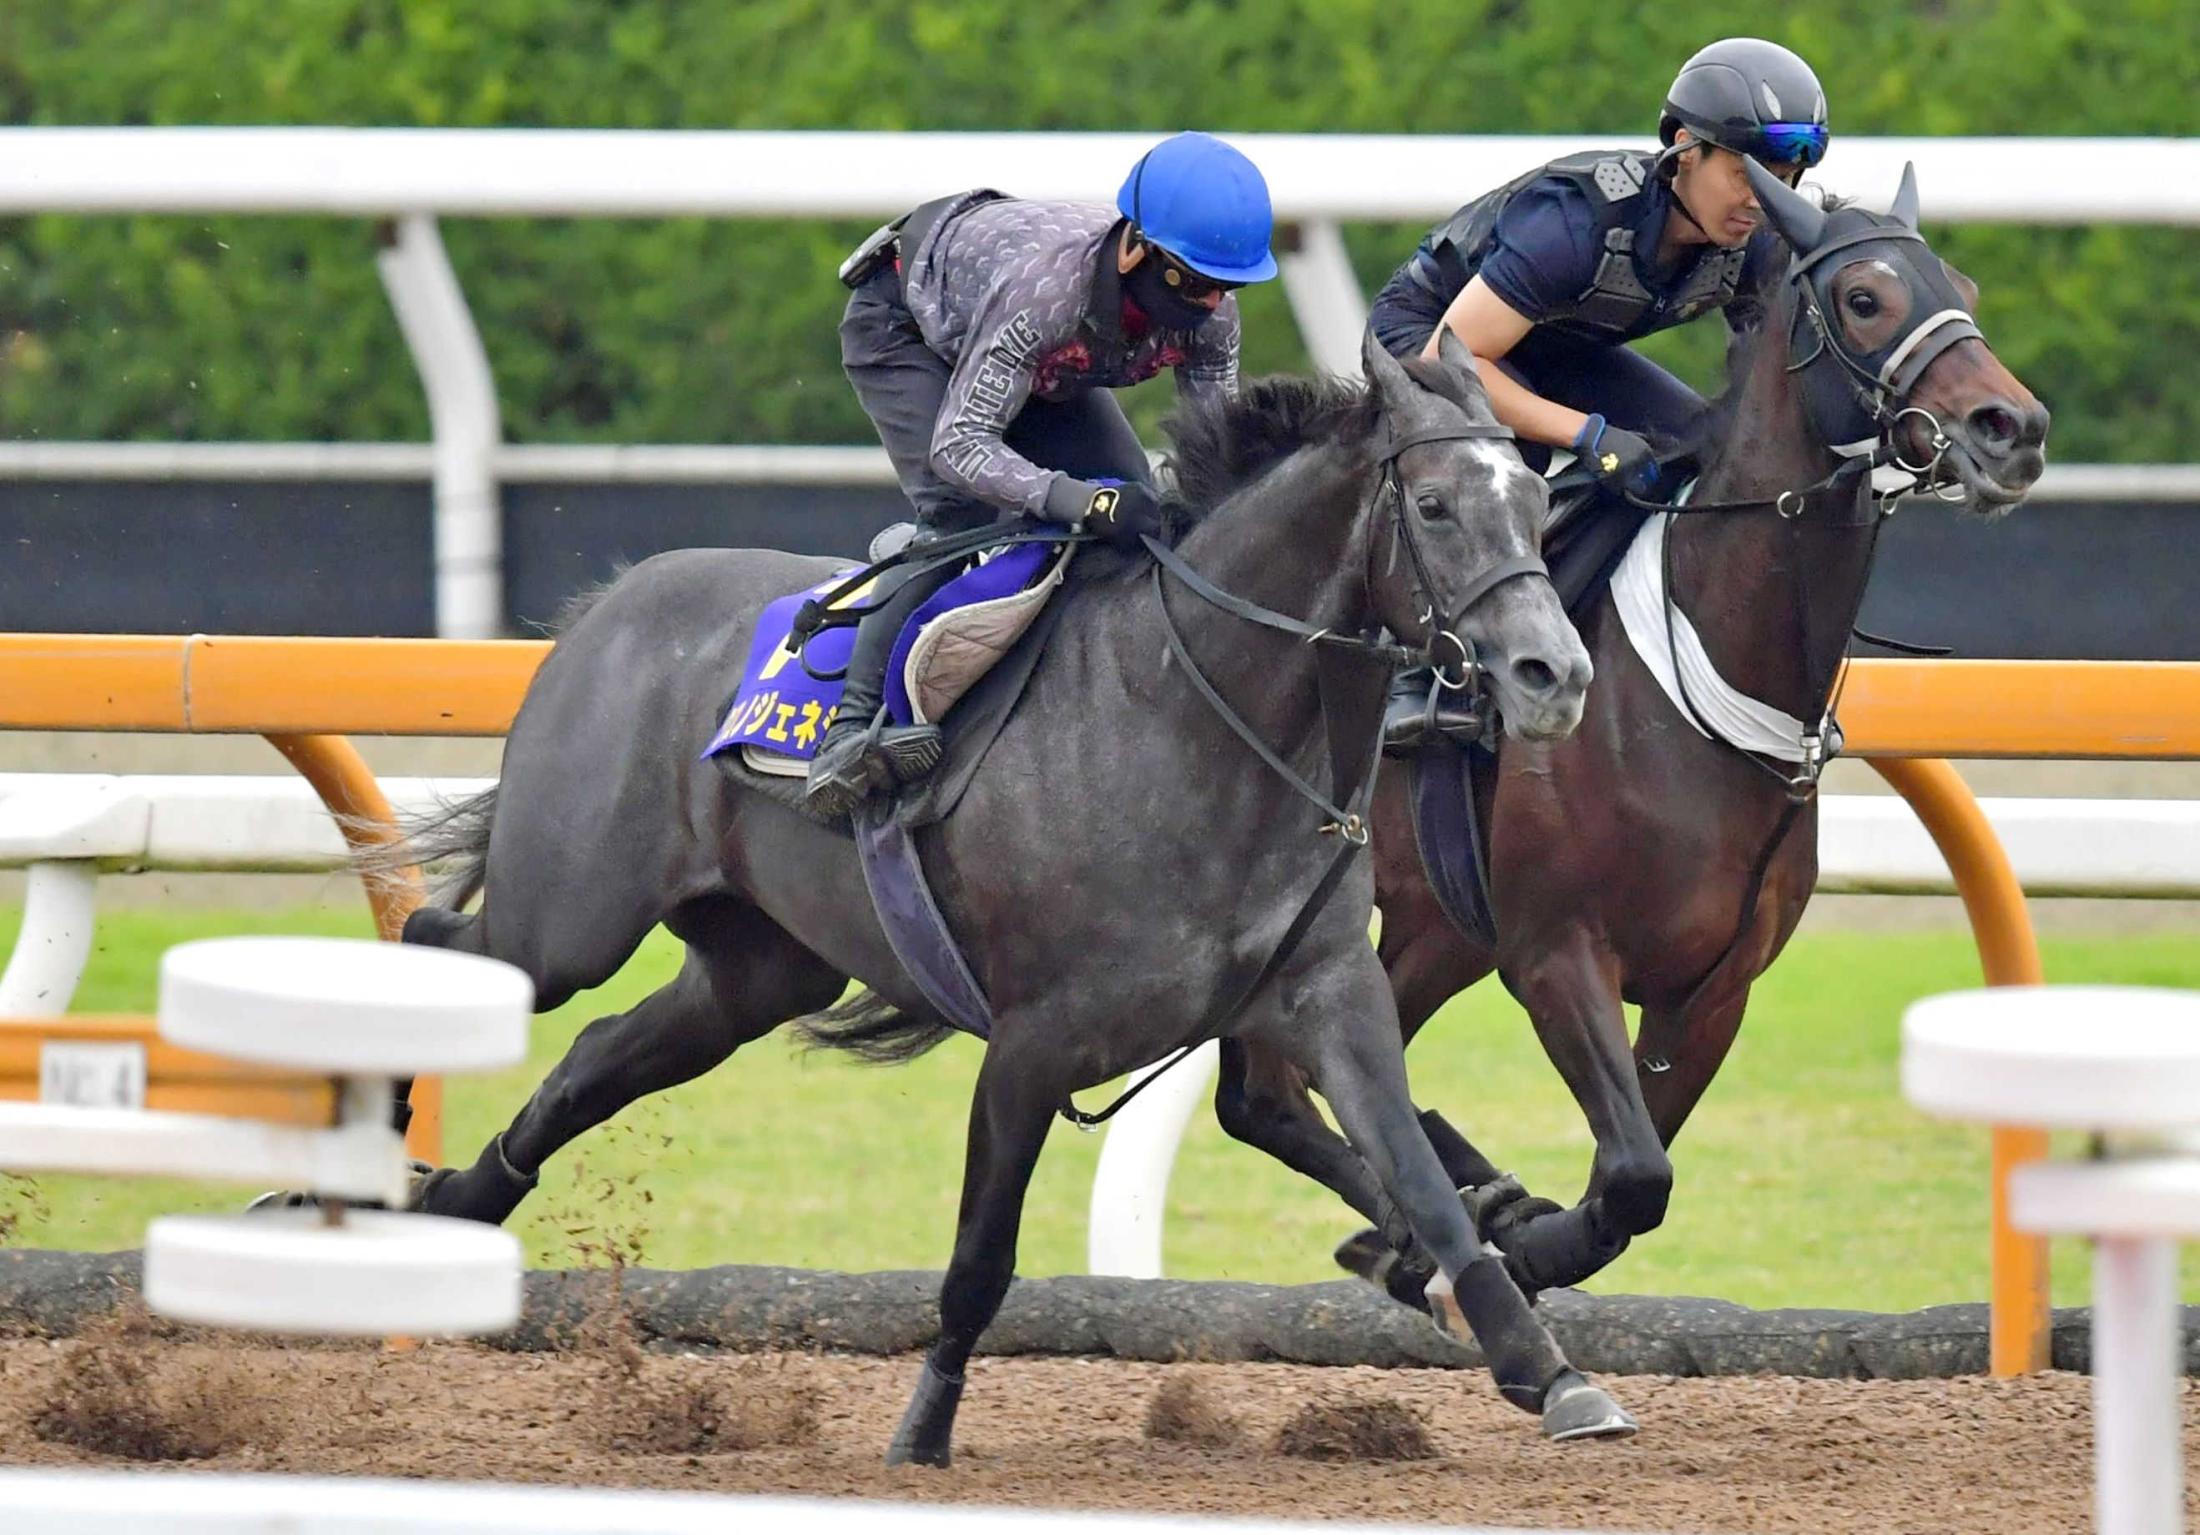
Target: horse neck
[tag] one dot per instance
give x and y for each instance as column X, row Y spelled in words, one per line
column 1735, row 574
column 1294, row 541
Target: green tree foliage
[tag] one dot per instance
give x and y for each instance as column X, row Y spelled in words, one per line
column 694, row 330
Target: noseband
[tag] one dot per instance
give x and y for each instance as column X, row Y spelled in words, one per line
column 1460, row 670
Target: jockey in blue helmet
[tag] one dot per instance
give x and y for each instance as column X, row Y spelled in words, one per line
column 983, row 334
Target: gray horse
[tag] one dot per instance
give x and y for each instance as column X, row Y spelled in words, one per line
column 1116, row 870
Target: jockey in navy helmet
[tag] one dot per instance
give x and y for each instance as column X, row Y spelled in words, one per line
column 983, row 335
column 1546, row 278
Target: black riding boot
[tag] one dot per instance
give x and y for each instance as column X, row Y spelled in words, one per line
column 862, row 753
column 1414, row 717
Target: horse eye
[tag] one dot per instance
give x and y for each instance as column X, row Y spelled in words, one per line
column 1431, row 507
column 1863, row 304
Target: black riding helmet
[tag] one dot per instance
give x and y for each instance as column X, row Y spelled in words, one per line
column 1753, row 97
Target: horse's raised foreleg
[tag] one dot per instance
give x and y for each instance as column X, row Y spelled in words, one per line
column 1339, row 1032
column 1010, row 1113
column 1570, row 988
column 742, row 978
column 1677, row 1051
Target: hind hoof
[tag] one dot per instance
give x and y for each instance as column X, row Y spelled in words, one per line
column 1574, row 1409
column 1366, row 1254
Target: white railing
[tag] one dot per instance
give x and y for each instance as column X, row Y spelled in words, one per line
column 66, row 829
column 412, row 176
column 711, row 464
column 570, row 173
column 196, row 1503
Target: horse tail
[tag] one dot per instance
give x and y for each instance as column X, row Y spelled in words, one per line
column 872, row 1029
column 450, row 841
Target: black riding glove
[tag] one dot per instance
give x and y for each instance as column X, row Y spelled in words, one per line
column 1122, row 514
column 1621, row 459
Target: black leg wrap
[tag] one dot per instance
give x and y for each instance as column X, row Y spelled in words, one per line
column 1407, row 1280
column 1521, row 1355
column 401, row 1113
column 488, row 1191
column 929, row 1425
column 1501, row 1206
column 1552, row 1251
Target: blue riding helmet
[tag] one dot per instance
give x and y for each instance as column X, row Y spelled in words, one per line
column 1205, row 204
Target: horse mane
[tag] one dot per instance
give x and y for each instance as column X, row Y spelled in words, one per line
column 1219, row 444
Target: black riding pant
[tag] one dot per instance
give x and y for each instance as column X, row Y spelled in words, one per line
column 902, row 383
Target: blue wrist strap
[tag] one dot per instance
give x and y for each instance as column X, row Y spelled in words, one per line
column 1591, row 433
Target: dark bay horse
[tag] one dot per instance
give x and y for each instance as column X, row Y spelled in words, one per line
column 1642, row 860
column 1120, row 866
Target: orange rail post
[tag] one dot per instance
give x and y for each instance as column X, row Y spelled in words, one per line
column 347, row 786
column 2064, row 709
column 2009, row 954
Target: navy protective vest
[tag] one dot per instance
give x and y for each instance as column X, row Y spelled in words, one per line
column 1617, row 305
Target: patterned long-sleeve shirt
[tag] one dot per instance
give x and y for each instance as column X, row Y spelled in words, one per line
column 1021, row 301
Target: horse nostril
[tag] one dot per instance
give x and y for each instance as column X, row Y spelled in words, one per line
column 1994, row 427
column 2032, row 427
column 1534, row 677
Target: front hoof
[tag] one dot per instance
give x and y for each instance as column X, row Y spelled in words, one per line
column 899, row 1454
column 281, row 1199
column 1575, row 1409
column 928, row 1427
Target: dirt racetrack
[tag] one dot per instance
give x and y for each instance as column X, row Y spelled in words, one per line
column 1752, row 1454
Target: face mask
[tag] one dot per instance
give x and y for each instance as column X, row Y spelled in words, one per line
column 1148, row 287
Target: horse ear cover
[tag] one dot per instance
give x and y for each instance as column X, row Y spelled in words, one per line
column 1905, row 197
column 1798, row 219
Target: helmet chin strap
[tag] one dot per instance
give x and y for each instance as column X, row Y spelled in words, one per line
column 1673, row 152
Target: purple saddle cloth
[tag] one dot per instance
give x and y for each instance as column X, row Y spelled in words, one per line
column 782, row 708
